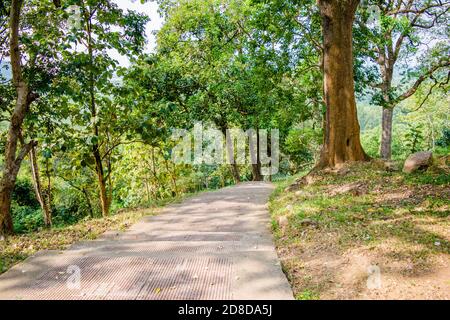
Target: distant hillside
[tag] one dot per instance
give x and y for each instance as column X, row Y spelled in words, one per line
column 369, row 116
column 5, row 70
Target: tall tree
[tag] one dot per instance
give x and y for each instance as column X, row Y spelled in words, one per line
column 342, row 136
column 88, row 74
column 398, row 32
column 24, row 97
column 34, row 37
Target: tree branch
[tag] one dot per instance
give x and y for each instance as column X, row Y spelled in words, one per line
column 14, row 42
column 430, row 91
column 419, row 81
column 24, row 151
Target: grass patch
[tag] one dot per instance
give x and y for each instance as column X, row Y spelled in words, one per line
column 391, row 218
column 307, row 295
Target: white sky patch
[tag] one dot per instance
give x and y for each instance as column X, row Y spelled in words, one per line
column 150, row 9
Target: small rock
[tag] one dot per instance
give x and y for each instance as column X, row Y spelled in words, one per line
column 355, row 188
column 417, row 161
column 304, row 181
column 343, row 171
column 308, row 222
column 390, row 166
column 283, row 222
column 302, row 193
column 437, row 243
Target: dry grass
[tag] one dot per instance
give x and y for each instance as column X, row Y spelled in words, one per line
column 18, row 247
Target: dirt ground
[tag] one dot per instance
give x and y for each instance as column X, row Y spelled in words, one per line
column 363, row 233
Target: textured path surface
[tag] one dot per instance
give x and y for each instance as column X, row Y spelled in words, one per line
column 213, row 246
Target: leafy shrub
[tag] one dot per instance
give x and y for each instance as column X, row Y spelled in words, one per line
column 26, row 219
column 24, row 194
column 302, row 145
column 444, row 141
column 70, row 207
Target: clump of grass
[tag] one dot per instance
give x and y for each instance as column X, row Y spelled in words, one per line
column 307, row 295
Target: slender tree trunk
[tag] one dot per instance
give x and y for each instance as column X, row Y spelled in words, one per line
column 49, row 187
column 342, row 132
column 38, row 188
column 147, row 189
column 386, row 133
column 110, row 184
column 24, row 98
column 230, row 156
column 256, row 167
column 104, row 201
column 171, row 174
column 386, row 64
column 432, row 143
column 155, row 174
column 88, row 202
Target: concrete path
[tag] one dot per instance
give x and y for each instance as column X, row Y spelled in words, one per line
column 216, row 245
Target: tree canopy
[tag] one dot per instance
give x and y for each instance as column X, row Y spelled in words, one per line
column 85, row 136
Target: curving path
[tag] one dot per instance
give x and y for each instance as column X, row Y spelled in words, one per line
column 216, row 245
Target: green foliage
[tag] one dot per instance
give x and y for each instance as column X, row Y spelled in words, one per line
column 24, row 194
column 413, row 138
column 444, row 140
column 244, row 64
column 302, row 145
column 307, row 295
column 27, row 219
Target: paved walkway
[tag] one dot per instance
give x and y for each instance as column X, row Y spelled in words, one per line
column 216, row 245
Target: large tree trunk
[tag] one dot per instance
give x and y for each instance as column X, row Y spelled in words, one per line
column 38, row 188
column 23, row 101
column 386, row 133
column 342, row 136
column 13, row 162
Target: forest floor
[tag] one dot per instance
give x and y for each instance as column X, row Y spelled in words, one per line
column 362, row 232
